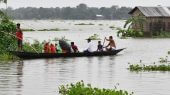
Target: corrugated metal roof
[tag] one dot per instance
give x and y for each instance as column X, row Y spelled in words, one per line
column 158, row 11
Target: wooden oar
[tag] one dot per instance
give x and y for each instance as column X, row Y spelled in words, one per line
column 104, row 41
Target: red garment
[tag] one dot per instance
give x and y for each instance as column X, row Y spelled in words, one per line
column 74, row 47
column 19, row 34
column 53, row 49
column 46, row 48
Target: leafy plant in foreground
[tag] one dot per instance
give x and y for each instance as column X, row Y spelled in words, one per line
column 80, row 88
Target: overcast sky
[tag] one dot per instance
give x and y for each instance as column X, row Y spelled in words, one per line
column 90, row 3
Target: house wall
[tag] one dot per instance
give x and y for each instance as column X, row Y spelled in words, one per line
column 153, row 24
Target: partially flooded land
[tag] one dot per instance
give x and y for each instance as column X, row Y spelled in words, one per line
column 21, row 77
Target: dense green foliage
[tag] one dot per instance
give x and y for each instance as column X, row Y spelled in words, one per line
column 81, row 89
column 35, row 47
column 137, row 67
column 7, row 32
column 82, row 11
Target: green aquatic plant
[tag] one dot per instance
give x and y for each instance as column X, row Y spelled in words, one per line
column 62, row 38
column 80, row 88
column 163, row 60
column 94, row 37
column 8, row 57
column 137, row 67
column 85, row 24
column 112, row 27
column 56, row 29
column 28, row 30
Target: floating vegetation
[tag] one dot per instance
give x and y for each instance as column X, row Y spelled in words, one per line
column 137, row 67
column 94, row 37
column 28, row 30
column 55, row 29
column 85, row 24
column 62, row 38
column 100, row 24
column 163, row 60
column 80, row 88
column 112, row 27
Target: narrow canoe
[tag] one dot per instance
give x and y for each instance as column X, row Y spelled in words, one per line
column 30, row 55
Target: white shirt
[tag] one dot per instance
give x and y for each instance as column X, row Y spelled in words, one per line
column 90, row 47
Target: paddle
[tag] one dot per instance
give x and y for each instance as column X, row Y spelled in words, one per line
column 104, row 41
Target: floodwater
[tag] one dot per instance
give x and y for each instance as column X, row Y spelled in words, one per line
column 44, row 76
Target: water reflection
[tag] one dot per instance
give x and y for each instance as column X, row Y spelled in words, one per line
column 11, row 77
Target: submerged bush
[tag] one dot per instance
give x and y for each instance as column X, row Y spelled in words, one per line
column 129, row 33
column 80, row 88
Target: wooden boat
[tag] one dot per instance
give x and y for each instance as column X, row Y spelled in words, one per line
column 30, row 55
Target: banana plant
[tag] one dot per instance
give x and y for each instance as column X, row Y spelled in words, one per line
column 138, row 20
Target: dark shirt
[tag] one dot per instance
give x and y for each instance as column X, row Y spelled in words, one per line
column 100, row 48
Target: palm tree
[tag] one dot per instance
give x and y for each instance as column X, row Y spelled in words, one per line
column 134, row 21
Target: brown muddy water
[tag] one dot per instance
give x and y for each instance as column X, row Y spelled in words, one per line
column 44, row 76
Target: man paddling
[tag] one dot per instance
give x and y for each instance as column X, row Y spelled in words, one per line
column 19, row 36
column 111, row 46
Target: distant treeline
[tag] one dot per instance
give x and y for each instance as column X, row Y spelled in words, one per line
column 81, row 12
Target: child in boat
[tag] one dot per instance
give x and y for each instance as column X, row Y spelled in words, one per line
column 47, row 48
column 52, row 48
column 111, row 46
column 99, row 47
column 74, row 47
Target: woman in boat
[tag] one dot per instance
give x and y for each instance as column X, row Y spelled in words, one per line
column 52, row 48
column 47, row 48
column 111, row 46
column 99, row 47
column 74, row 47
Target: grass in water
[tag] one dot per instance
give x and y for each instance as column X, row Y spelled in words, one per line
column 80, row 88
column 8, row 57
column 137, row 67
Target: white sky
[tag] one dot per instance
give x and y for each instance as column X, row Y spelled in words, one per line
column 90, row 3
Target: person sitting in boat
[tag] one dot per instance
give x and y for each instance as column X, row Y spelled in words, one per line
column 111, row 46
column 66, row 48
column 58, row 48
column 99, row 47
column 74, row 47
column 47, row 48
column 19, row 36
column 52, row 48
column 89, row 46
